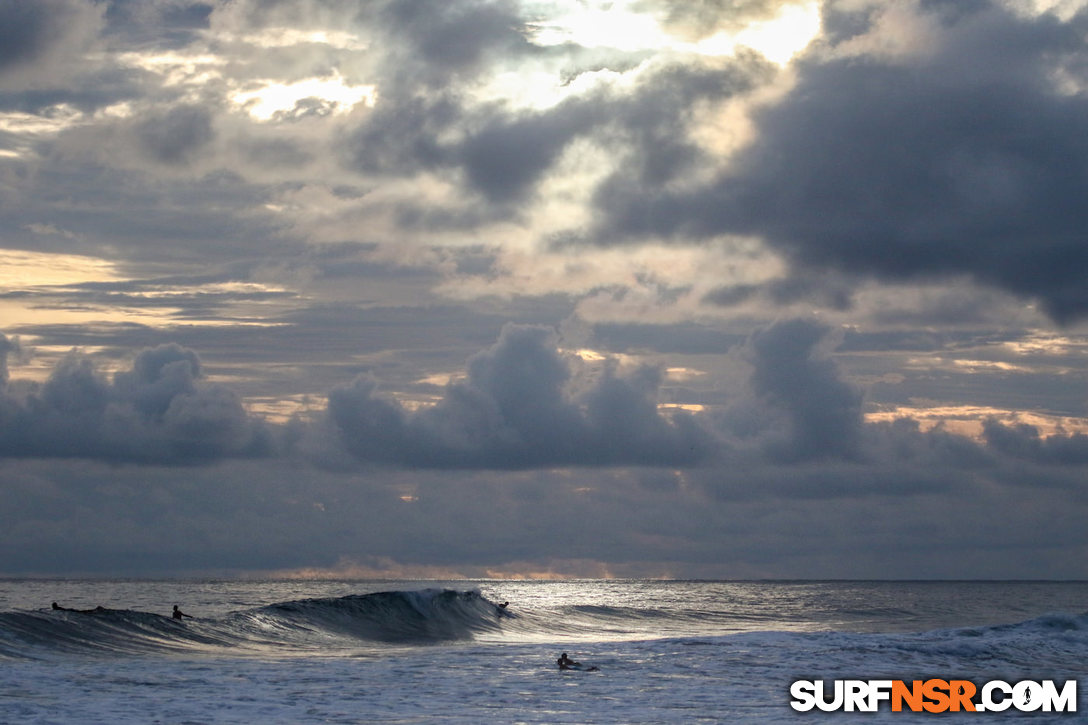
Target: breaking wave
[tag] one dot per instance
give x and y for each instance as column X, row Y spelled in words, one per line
column 362, row 623
column 430, row 615
column 395, row 617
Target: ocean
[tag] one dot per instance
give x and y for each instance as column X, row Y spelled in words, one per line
column 447, row 652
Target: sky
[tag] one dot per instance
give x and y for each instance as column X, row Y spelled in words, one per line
column 544, row 288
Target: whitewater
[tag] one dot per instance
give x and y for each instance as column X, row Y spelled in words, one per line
column 448, row 652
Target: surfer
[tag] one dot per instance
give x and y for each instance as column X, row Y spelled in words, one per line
column 566, row 663
column 178, row 614
column 59, row 608
column 500, row 609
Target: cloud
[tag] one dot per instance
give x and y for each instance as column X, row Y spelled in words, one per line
column 1024, row 442
column 41, row 41
column 538, row 447
column 954, row 151
column 176, row 135
column 430, row 53
column 401, row 134
column 505, row 158
column 170, row 24
column 451, row 40
column 828, row 291
column 503, row 153
column 798, row 407
column 680, row 338
column 157, row 412
column 913, row 515
column 7, row 346
column 914, row 176
column 515, row 410
column 696, row 19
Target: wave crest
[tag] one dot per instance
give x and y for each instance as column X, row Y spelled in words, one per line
column 409, row 617
column 394, row 616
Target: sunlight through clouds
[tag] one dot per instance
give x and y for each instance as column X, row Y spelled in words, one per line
column 601, row 25
column 333, row 95
column 626, row 26
column 967, row 420
column 601, row 261
column 24, row 270
column 780, row 38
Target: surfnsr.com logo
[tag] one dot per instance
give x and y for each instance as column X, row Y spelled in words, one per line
column 934, row 696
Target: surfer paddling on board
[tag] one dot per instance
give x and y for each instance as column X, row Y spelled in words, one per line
column 59, row 608
column 178, row 614
column 566, row 663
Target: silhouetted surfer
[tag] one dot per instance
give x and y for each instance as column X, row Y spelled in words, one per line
column 59, row 608
column 178, row 614
column 566, row 663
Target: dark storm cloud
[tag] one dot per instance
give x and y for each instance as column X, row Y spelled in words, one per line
column 801, row 409
column 503, row 154
column 428, row 121
column 157, row 412
column 805, row 518
column 515, row 411
column 963, row 160
column 505, row 158
column 954, row 161
column 520, row 407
